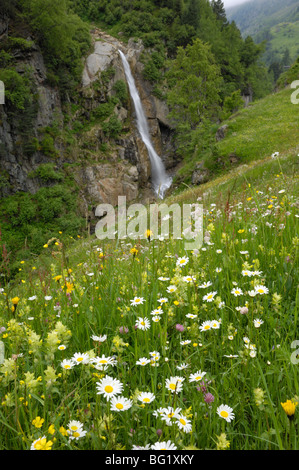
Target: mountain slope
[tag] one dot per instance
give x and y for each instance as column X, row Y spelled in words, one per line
column 256, row 15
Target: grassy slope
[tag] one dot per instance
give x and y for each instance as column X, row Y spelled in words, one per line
column 286, row 36
column 254, row 133
column 267, row 126
column 251, row 17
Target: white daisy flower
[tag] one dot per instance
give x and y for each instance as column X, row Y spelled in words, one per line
column 184, row 424
column 75, row 430
column 157, row 311
column 99, row 339
column 146, row 397
column 74, row 425
column 77, row 434
column 171, row 289
column 159, row 412
column 191, row 315
column 109, row 387
column 225, row 412
column 155, row 355
column 163, row 300
column 206, row 325
column 137, row 301
column 81, row 358
column 165, row 445
column 261, row 290
column 174, row 384
column 257, row 322
column 143, row 361
column 182, row 261
column 34, row 297
column 189, row 278
column 101, row 363
column 197, row 376
column 215, row 324
column 156, row 318
column 169, row 414
column 147, row 447
column 209, row 297
column 143, row 323
column 246, row 273
column 182, row 366
column 205, row 284
column 252, row 293
column 67, row 364
column 236, row 291
column 120, row 403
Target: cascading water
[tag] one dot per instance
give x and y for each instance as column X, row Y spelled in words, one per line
column 160, row 180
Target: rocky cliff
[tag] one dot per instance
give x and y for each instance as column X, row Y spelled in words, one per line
column 103, row 163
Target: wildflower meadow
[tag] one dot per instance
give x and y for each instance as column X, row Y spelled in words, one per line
column 140, row 344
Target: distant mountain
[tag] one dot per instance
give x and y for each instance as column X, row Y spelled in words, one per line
column 256, row 15
column 273, row 21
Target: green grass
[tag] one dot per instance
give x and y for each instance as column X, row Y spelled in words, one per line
column 285, row 36
column 252, row 219
column 254, row 133
column 268, row 125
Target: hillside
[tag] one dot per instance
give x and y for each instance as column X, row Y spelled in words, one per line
column 256, row 15
column 275, row 23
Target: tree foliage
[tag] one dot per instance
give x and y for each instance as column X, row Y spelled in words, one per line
column 63, row 37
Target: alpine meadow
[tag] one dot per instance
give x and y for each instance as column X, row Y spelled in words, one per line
column 149, row 213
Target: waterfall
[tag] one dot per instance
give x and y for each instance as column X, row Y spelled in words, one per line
column 160, row 180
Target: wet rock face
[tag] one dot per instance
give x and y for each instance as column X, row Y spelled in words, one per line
column 130, row 148
column 16, row 162
column 125, row 170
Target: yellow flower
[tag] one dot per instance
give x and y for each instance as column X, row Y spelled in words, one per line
column 15, row 300
column 42, row 444
column 63, row 431
column 51, row 429
column 134, row 251
column 289, row 407
column 38, row 422
column 46, row 245
column 148, row 234
column 57, row 278
column 69, row 287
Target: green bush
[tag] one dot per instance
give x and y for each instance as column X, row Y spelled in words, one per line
column 17, row 88
column 121, row 91
column 46, row 172
column 48, row 147
column 113, row 127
